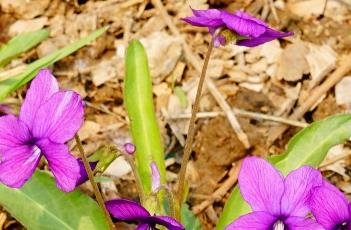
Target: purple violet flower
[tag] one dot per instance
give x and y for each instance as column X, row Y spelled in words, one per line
column 48, row 119
column 277, row 202
column 331, row 208
column 131, row 211
column 242, row 27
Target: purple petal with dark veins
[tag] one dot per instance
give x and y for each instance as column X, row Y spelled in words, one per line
column 127, row 210
column 300, row 223
column 253, row 221
column 142, row 226
column 43, row 86
column 329, row 207
column 261, row 185
column 62, row 164
column 203, row 22
column 18, row 165
column 298, row 185
column 269, row 35
column 13, row 133
column 247, row 16
column 60, row 118
column 243, row 26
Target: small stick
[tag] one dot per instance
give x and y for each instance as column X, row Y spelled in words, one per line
column 243, row 113
column 315, row 95
column 273, row 10
column 97, row 193
column 221, row 191
column 136, row 176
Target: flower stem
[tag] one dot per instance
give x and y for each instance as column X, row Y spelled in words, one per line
column 97, row 193
column 138, row 183
column 191, row 131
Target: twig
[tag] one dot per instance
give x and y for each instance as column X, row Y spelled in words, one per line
column 97, row 193
column 221, row 191
column 243, row 113
column 273, row 10
column 193, row 59
column 335, row 77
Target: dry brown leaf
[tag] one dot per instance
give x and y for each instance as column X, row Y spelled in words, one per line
column 24, row 9
column 292, row 63
column 89, row 129
column 306, row 8
column 163, row 52
column 22, row 26
column 104, row 71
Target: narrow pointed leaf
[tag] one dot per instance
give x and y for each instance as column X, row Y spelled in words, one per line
column 21, row 43
column 308, row 147
column 39, row 205
column 9, row 85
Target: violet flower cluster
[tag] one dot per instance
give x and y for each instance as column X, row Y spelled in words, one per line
column 245, row 29
column 287, row 203
column 48, row 118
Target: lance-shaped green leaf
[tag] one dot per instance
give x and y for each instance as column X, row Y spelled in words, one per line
column 19, row 44
column 9, row 85
column 39, row 205
column 143, row 124
column 308, row 147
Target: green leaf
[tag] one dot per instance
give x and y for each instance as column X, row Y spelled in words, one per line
column 179, row 92
column 308, row 147
column 9, row 85
column 188, row 218
column 19, row 44
column 39, row 205
column 143, row 124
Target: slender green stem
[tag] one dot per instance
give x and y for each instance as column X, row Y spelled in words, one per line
column 137, row 178
column 97, row 193
column 191, row 131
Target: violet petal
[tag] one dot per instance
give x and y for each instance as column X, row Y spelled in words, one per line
column 247, row 16
column 300, row 223
column 41, row 89
column 62, row 164
column 18, row 165
column 269, row 35
column 243, row 26
column 253, row 220
column 209, row 13
column 261, row 185
column 142, row 226
column 13, row 133
column 203, row 22
column 83, row 175
column 298, row 185
column 60, row 117
column 126, row 210
column 167, row 221
column 328, row 207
